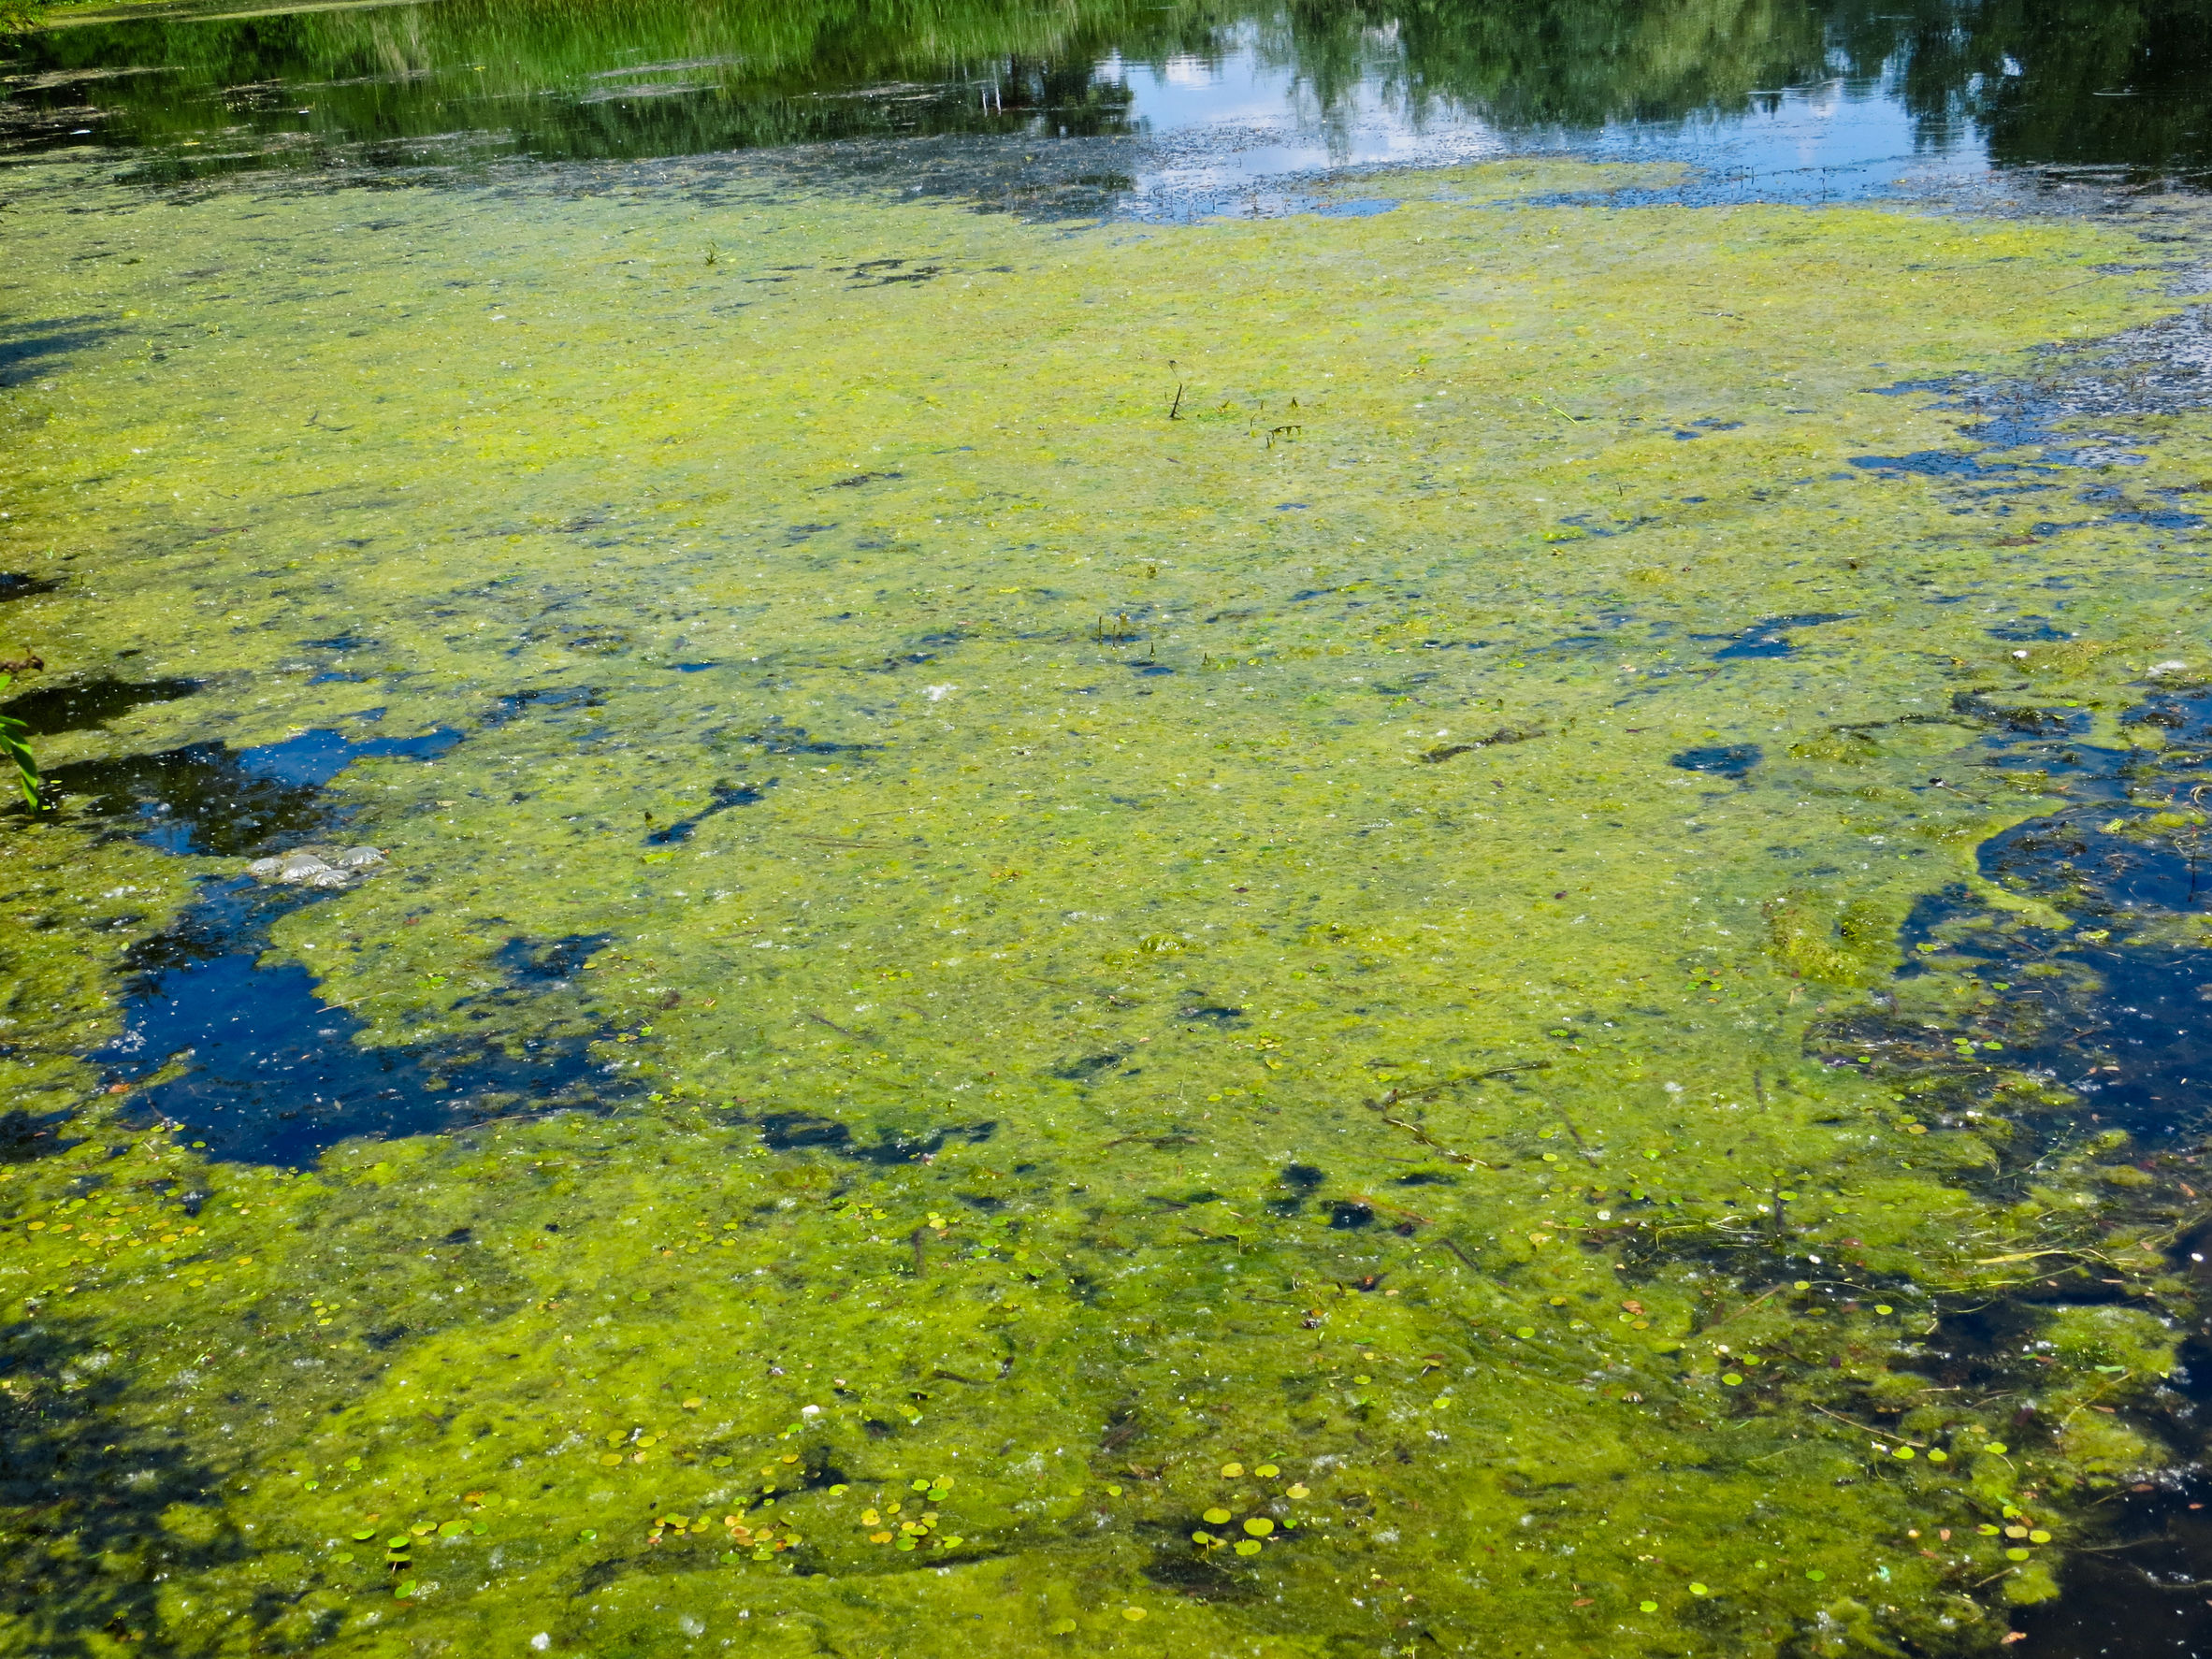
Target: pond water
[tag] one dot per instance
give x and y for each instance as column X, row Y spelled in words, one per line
column 1155, row 830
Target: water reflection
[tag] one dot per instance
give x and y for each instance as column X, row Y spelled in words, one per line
column 1179, row 91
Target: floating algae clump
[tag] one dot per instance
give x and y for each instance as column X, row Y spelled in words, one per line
column 1227, row 905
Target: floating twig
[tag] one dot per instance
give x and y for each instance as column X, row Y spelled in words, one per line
column 1382, row 1108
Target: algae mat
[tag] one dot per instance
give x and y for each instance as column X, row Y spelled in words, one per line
column 1150, row 941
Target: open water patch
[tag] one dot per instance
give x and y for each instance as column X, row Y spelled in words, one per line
column 1366, row 207
column 209, row 797
column 2074, row 1033
column 2142, row 1594
column 1770, row 636
column 1733, row 761
column 249, row 1059
column 244, row 1055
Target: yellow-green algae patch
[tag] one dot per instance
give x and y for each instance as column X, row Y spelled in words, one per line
column 1167, row 886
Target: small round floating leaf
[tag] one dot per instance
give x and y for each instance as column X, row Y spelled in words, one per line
column 1267, row 1471
column 1883, row 1307
column 1064, row 1627
column 1203, row 1536
column 586, row 1534
column 1525, row 1332
column 1647, row 1607
column 2039, row 1536
column 1700, row 1590
column 1298, row 1489
column 1259, row 1526
column 1814, row 1574
column 1217, row 1516
column 1999, row 1447
column 1904, row 1451
column 1133, row 1614
column 1731, row 1379
column 1938, row 1455
column 2017, row 1553
column 1231, row 1471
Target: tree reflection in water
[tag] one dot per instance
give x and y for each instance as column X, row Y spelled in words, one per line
column 2069, row 82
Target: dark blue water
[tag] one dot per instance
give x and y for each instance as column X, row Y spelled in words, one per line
column 244, row 1056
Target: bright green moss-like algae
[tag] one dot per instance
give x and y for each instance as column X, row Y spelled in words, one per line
column 1182, row 1071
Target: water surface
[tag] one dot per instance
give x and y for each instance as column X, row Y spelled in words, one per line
column 1153, row 890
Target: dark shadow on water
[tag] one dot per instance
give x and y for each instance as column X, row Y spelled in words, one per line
column 721, row 798
column 548, row 699
column 84, row 1487
column 549, row 962
column 14, row 584
column 25, row 1135
column 89, row 704
column 790, row 1131
column 42, row 348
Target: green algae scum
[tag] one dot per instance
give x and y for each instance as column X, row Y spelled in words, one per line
column 1469, row 920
